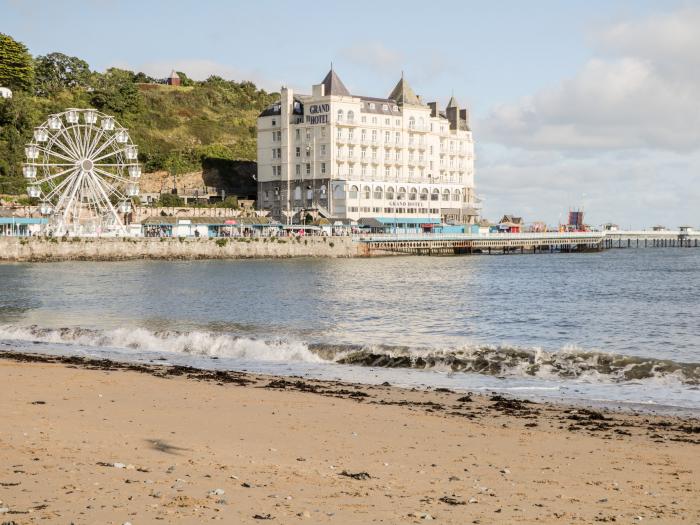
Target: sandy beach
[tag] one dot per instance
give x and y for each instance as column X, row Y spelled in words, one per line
column 97, row 442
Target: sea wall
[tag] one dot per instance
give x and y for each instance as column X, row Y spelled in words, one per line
column 38, row 249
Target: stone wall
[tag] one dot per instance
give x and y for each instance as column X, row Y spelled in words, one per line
column 18, row 249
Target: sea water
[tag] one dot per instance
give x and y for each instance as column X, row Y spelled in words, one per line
column 618, row 327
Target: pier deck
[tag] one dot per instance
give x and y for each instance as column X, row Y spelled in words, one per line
column 456, row 243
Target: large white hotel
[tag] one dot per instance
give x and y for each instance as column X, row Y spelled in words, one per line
column 393, row 160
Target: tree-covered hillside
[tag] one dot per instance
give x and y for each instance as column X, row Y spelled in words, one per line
column 176, row 128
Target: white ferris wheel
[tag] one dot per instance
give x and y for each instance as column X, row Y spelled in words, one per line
column 83, row 168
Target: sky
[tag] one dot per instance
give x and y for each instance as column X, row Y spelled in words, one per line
column 574, row 104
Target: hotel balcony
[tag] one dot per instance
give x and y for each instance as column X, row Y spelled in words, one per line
column 346, row 122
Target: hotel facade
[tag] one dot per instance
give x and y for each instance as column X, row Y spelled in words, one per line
column 381, row 161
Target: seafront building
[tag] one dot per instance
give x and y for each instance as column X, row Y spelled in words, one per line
column 380, row 161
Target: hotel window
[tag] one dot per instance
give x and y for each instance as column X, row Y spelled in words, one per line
column 308, row 168
column 455, row 196
column 351, row 152
column 351, row 116
column 363, row 119
column 377, row 193
column 387, row 136
column 390, row 193
column 435, row 195
column 376, row 210
column 363, row 153
column 274, row 136
column 413, row 194
column 374, row 153
column 323, row 167
column 397, row 155
column 452, row 146
column 424, row 194
column 452, row 162
column 364, row 170
column 340, row 115
column 298, row 134
column 401, row 195
column 398, row 122
column 396, row 108
column 274, row 122
column 340, row 133
column 398, row 137
column 298, row 151
column 410, row 172
column 363, row 135
column 385, row 107
column 387, row 121
column 298, row 169
column 374, row 120
column 353, row 192
column 411, row 123
column 350, row 134
column 374, row 135
column 410, row 156
column 372, row 105
column 323, row 150
column 446, row 195
column 387, row 172
column 308, row 133
column 323, row 132
column 351, row 169
column 374, row 172
column 308, row 151
column 367, row 192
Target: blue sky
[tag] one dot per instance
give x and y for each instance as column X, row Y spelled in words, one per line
column 523, row 68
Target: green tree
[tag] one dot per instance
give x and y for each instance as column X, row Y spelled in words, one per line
column 16, row 65
column 56, row 71
column 116, row 92
column 184, row 79
column 168, row 200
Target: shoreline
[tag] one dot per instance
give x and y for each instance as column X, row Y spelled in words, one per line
column 121, row 442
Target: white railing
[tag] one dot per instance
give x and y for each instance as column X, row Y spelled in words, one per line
column 553, row 236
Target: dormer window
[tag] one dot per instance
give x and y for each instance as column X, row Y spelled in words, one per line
column 372, row 105
column 396, row 108
column 385, row 107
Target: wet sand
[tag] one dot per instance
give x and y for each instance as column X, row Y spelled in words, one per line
column 92, row 441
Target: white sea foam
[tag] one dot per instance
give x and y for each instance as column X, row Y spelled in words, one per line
column 195, row 343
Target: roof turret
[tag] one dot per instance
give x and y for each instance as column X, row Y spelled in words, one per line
column 333, row 85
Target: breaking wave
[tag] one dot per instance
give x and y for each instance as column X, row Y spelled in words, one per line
column 500, row 361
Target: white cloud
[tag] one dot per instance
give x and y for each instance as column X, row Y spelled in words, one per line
column 644, row 96
column 375, row 56
column 624, row 131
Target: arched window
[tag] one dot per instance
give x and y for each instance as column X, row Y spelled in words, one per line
column 297, row 193
column 446, row 195
column 424, row 194
column 351, row 116
column 378, row 192
column 455, row 196
column 353, row 192
column 367, row 192
column 412, row 122
column 340, row 115
column 401, row 195
column 390, row 193
column 435, row 195
column 413, row 194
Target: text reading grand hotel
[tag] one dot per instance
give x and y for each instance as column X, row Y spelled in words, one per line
column 378, row 161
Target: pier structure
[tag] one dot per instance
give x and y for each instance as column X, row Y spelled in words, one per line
column 504, row 243
column 652, row 239
column 459, row 243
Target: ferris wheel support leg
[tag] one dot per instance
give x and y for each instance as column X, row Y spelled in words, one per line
column 112, row 211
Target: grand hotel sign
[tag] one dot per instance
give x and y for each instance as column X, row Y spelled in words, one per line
column 318, row 114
